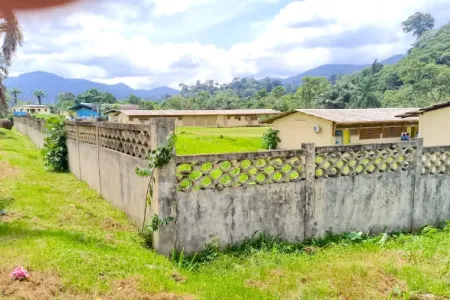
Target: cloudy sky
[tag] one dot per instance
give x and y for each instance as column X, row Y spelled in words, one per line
column 150, row 43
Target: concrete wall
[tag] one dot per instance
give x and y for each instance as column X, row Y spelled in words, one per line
column 370, row 188
column 32, row 127
column 432, row 126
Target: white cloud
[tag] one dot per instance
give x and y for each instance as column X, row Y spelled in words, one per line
column 113, row 43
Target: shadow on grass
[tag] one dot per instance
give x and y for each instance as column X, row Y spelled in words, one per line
column 5, row 201
column 17, row 230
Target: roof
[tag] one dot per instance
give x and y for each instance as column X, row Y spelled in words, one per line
column 33, row 105
column 420, row 111
column 89, row 106
column 174, row 113
column 81, row 106
column 350, row 116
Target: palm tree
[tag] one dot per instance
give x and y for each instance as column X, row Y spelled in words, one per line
column 39, row 94
column 363, row 95
column 12, row 38
column 15, row 93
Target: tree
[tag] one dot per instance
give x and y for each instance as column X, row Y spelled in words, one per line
column 364, row 95
column 132, row 99
column 11, row 40
column 15, row 93
column 376, row 67
column 39, row 94
column 278, row 92
column 95, row 96
column 64, row 101
column 418, row 24
column 312, row 88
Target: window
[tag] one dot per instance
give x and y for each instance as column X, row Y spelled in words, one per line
column 39, row 109
column 254, row 118
column 45, row 110
column 392, row 132
column 228, row 117
column 353, row 132
column 370, row 133
column 180, row 118
column 237, row 118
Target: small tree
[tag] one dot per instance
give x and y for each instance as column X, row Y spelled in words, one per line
column 418, row 24
column 39, row 94
column 55, row 149
column 270, row 139
column 15, row 93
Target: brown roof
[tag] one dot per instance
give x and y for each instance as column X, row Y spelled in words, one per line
column 174, row 113
column 420, row 111
column 348, row 116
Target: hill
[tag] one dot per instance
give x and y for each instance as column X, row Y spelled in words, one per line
column 54, row 84
column 335, row 69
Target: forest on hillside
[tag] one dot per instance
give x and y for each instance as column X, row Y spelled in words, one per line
column 420, row 79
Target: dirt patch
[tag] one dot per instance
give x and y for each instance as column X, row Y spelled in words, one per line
column 252, row 283
column 11, row 216
column 425, row 297
column 276, row 273
column 177, row 277
column 129, row 289
column 110, row 224
column 39, row 286
column 6, row 170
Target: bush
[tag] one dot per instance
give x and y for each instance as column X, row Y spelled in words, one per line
column 55, row 149
column 5, row 123
column 270, row 139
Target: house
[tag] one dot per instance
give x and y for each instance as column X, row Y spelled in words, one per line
column 85, row 111
column 326, row 127
column 434, row 121
column 200, row 118
column 92, row 111
column 30, row 109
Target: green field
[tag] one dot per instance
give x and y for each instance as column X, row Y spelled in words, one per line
column 200, row 140
column 77, row 246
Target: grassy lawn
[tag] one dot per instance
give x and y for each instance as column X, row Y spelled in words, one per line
column 77, row 246
column 200, row 140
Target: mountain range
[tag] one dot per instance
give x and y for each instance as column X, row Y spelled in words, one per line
column 54, row 84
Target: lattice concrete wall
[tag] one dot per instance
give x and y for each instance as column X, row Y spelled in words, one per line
column 291, row 194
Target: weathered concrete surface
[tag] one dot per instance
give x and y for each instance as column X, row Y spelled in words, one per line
column 89, row 168
column 232, row 215
column 73, row 157
column 369, row 203
column 432, row 204
column 121, row 186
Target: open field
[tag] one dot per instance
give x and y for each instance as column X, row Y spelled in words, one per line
column 77, row 246
column 201, row 140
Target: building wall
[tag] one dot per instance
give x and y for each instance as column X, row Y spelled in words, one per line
column 297, row 128
column 197, row 121
column 33, row 110
column 86, row 113
column 433, row 127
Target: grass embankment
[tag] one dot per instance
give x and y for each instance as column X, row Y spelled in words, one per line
column 200, row 140
column 77, row 246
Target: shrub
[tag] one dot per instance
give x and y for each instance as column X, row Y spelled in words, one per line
column 270, row 139
column 55, row 149
column 5, row 123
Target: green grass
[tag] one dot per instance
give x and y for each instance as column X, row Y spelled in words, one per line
column 200, row 140
column 58, row 227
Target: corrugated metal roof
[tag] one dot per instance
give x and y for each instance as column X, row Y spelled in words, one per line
column 169, row 113
column 415, row 113
column 348, row 116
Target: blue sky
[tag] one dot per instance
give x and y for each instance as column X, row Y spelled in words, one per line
column 149, row 43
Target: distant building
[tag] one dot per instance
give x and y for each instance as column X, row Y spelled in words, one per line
column 434, row 123
column 30, row 109
column 328, row 127
column 88, row 111
column 198, row 118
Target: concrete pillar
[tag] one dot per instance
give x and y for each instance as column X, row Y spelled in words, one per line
column 417, row 175
column 164, row 202
column 310, row 173
column 78, row 150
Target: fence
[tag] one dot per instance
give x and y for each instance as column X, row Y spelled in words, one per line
column 294, row 195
